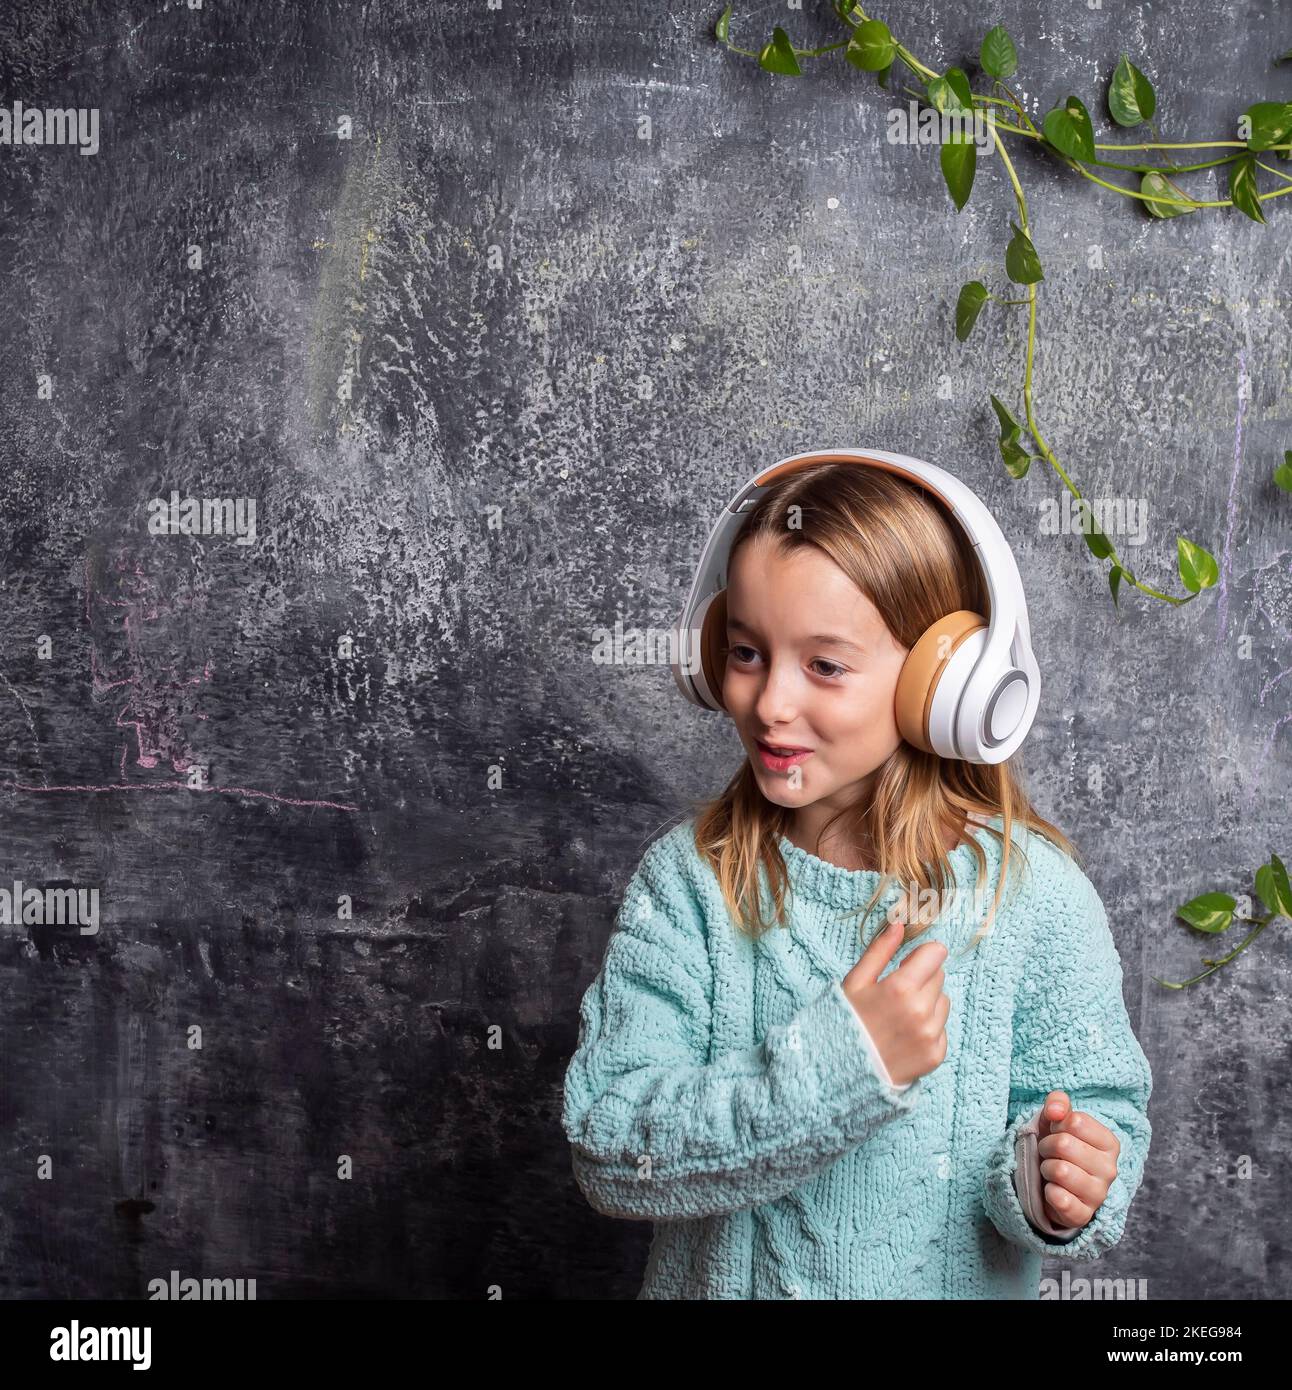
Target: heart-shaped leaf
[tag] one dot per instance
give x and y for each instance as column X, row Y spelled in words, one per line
column 968, row 306
column 1068, row 129
column 1197, row 567
column 1242, row 187
column 778, row 55
column 1016, row 458
column 950, row 92
column 1099, row 544
column 959, row 161
column 1282, row 474
column 871, row 47
column 1266, row 888
column 1273, row 888
column 1115, row 583
column 1130, row 95
column 998, row 56
column 1155, row 185
column 1008, row 424
column 1212, row 912
column 1022, row 264
column 1270, row 123
column 1282, row 889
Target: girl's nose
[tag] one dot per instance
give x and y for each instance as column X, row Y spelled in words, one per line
column 777, row 701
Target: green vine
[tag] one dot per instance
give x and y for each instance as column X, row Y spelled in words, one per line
column 1066, row 133
column 1216, row 912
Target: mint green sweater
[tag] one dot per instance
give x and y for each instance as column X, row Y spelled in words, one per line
column 726, row 1090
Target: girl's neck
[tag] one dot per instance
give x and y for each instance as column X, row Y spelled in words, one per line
column 845, row 854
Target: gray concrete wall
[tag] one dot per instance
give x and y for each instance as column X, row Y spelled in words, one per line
column 487, row 368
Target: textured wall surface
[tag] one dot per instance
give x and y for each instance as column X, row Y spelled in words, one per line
column 487, row 368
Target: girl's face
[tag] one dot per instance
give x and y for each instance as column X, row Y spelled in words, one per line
column 811, row 666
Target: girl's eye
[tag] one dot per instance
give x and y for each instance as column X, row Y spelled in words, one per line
column 833, row 673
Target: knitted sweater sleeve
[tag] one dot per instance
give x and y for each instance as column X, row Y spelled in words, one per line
column 658, row 1129
column 1071, row 1033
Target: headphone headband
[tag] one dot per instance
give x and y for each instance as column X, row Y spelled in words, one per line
column 983, row 696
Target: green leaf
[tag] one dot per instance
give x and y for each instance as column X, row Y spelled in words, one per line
column 1099, row 544
column 1284, row 57
column 950, row 92
column 968, row 306
column 1008, row 424
column 1282, row 474
column 1242, row 187
column 1017, row 459
column 941, row 95
column 1115, row 583
column 871, row 47
column 1130, row 95
column 1155, row 185
column 998, row 56
column 882, row 76
column 722, row 30
column 778, row 55
column 1068, row 129
column 1270, row 122
column 1266, row 888
column 1212, row 912
column 1022, row 264
column 1197, row 568
column 1282, row 889
column 959, row 161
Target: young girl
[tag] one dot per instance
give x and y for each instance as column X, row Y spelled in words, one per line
column 810, row 1107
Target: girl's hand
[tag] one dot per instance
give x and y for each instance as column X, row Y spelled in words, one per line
column 905, row 1013
column 1078, row 1159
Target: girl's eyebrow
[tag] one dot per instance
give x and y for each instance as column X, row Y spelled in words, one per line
column 820, row 638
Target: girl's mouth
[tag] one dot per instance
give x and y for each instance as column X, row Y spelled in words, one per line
column 780, row 759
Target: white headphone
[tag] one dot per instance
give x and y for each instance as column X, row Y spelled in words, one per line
column 969, row 687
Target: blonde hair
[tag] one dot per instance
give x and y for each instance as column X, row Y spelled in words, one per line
column 897, row 543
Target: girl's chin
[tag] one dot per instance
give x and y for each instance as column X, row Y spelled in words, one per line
column 777, row 787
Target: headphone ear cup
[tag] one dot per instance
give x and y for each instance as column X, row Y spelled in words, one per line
column 713, row 641
column 917, row 682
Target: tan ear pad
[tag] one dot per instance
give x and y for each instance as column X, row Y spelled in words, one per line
column 713, row 640
column 919, row 675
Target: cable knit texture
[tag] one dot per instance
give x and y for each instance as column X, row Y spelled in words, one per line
column 726, row 1089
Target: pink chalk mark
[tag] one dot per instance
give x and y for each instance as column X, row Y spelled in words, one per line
column 184, row 786
column 98, row 683
column 149, row 711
